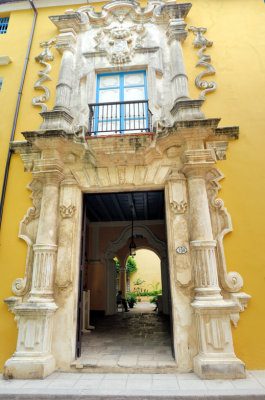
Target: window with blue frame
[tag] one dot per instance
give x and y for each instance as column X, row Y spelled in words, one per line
column 3, row 24
column 121, row 103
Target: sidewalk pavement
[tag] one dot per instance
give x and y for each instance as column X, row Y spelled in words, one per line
column 173, row 386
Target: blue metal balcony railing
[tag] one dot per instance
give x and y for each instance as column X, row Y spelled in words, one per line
column 119, row 117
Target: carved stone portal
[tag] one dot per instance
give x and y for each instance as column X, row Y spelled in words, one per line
column 179, row 157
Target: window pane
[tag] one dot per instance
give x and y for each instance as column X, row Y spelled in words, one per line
column 134, row 93
column 134, row 79
column 109, row 95
column 109, row 111
column 109, row 81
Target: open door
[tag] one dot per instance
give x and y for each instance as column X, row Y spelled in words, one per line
column 80, row 286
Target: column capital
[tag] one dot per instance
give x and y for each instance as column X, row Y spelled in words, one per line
column 49, row 171
column 66, row 41
column 198, row 162
column 175, row 175
column 176, row 30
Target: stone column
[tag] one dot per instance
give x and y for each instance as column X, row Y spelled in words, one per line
column 65, row 46
column 60, row 117
column 176, row 34
column 33, row 358
column 203, row 247
column 123, row 286
column 180, row 269
column 216, row 358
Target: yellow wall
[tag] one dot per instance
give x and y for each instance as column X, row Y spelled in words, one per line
column 148, row 269
column 238, row 54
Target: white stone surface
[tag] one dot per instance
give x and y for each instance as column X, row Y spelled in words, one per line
column 137, row 386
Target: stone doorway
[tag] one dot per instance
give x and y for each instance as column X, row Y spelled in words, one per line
column 105, row 239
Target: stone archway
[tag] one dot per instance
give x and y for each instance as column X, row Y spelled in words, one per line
column 155, row 244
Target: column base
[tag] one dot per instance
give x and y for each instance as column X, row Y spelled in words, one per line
column 219, row 368
column 29, row 367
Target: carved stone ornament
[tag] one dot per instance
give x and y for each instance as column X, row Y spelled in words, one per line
column 119, row 42
column 221, row 222
column 67, row 212
column 219, row 148
column 45, row 56
column 178, row 208
column 201, row 42
column 28, row 232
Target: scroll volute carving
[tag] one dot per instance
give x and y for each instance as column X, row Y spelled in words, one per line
column 221, row 224
column 28, row 232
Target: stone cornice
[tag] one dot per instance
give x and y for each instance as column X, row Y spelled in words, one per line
column 67, row 22
column 158, row 12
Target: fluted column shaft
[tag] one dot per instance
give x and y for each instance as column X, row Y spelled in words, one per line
column 45, row 248
column 64, row 86
column 203, row 247
column 176, row 33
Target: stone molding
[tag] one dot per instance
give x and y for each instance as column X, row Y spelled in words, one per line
column 5, row 60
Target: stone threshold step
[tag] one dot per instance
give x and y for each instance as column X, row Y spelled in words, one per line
column 161, row 369
column 63, row 395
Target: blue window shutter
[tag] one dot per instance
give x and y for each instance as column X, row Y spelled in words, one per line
column 3, row 24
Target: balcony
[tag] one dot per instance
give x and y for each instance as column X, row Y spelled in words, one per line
column 119, row 118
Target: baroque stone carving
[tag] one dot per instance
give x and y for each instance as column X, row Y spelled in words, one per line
column 46, row 55
column 220, row 148
column 27, row 232
column 201, row 42
column 221, row 222
column 67, row 212
column 120, row 42
column 178, row 208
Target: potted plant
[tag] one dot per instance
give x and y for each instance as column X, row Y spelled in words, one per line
column 131, row 299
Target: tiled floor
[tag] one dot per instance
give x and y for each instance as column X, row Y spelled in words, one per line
column 138, row 340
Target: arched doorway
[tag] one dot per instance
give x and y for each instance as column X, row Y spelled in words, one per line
column 147, row 239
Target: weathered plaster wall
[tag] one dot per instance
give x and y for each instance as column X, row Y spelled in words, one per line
column 237, row 30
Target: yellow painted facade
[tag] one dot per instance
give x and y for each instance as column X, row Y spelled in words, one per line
column 148, row 270
column 238, row 55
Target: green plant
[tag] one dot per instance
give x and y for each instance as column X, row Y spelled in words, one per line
column 154, row 293
column 130, row 266
column 153, row 300
column 131, row 299
column 117, row 265
column 138, row 284
column 155, row 286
